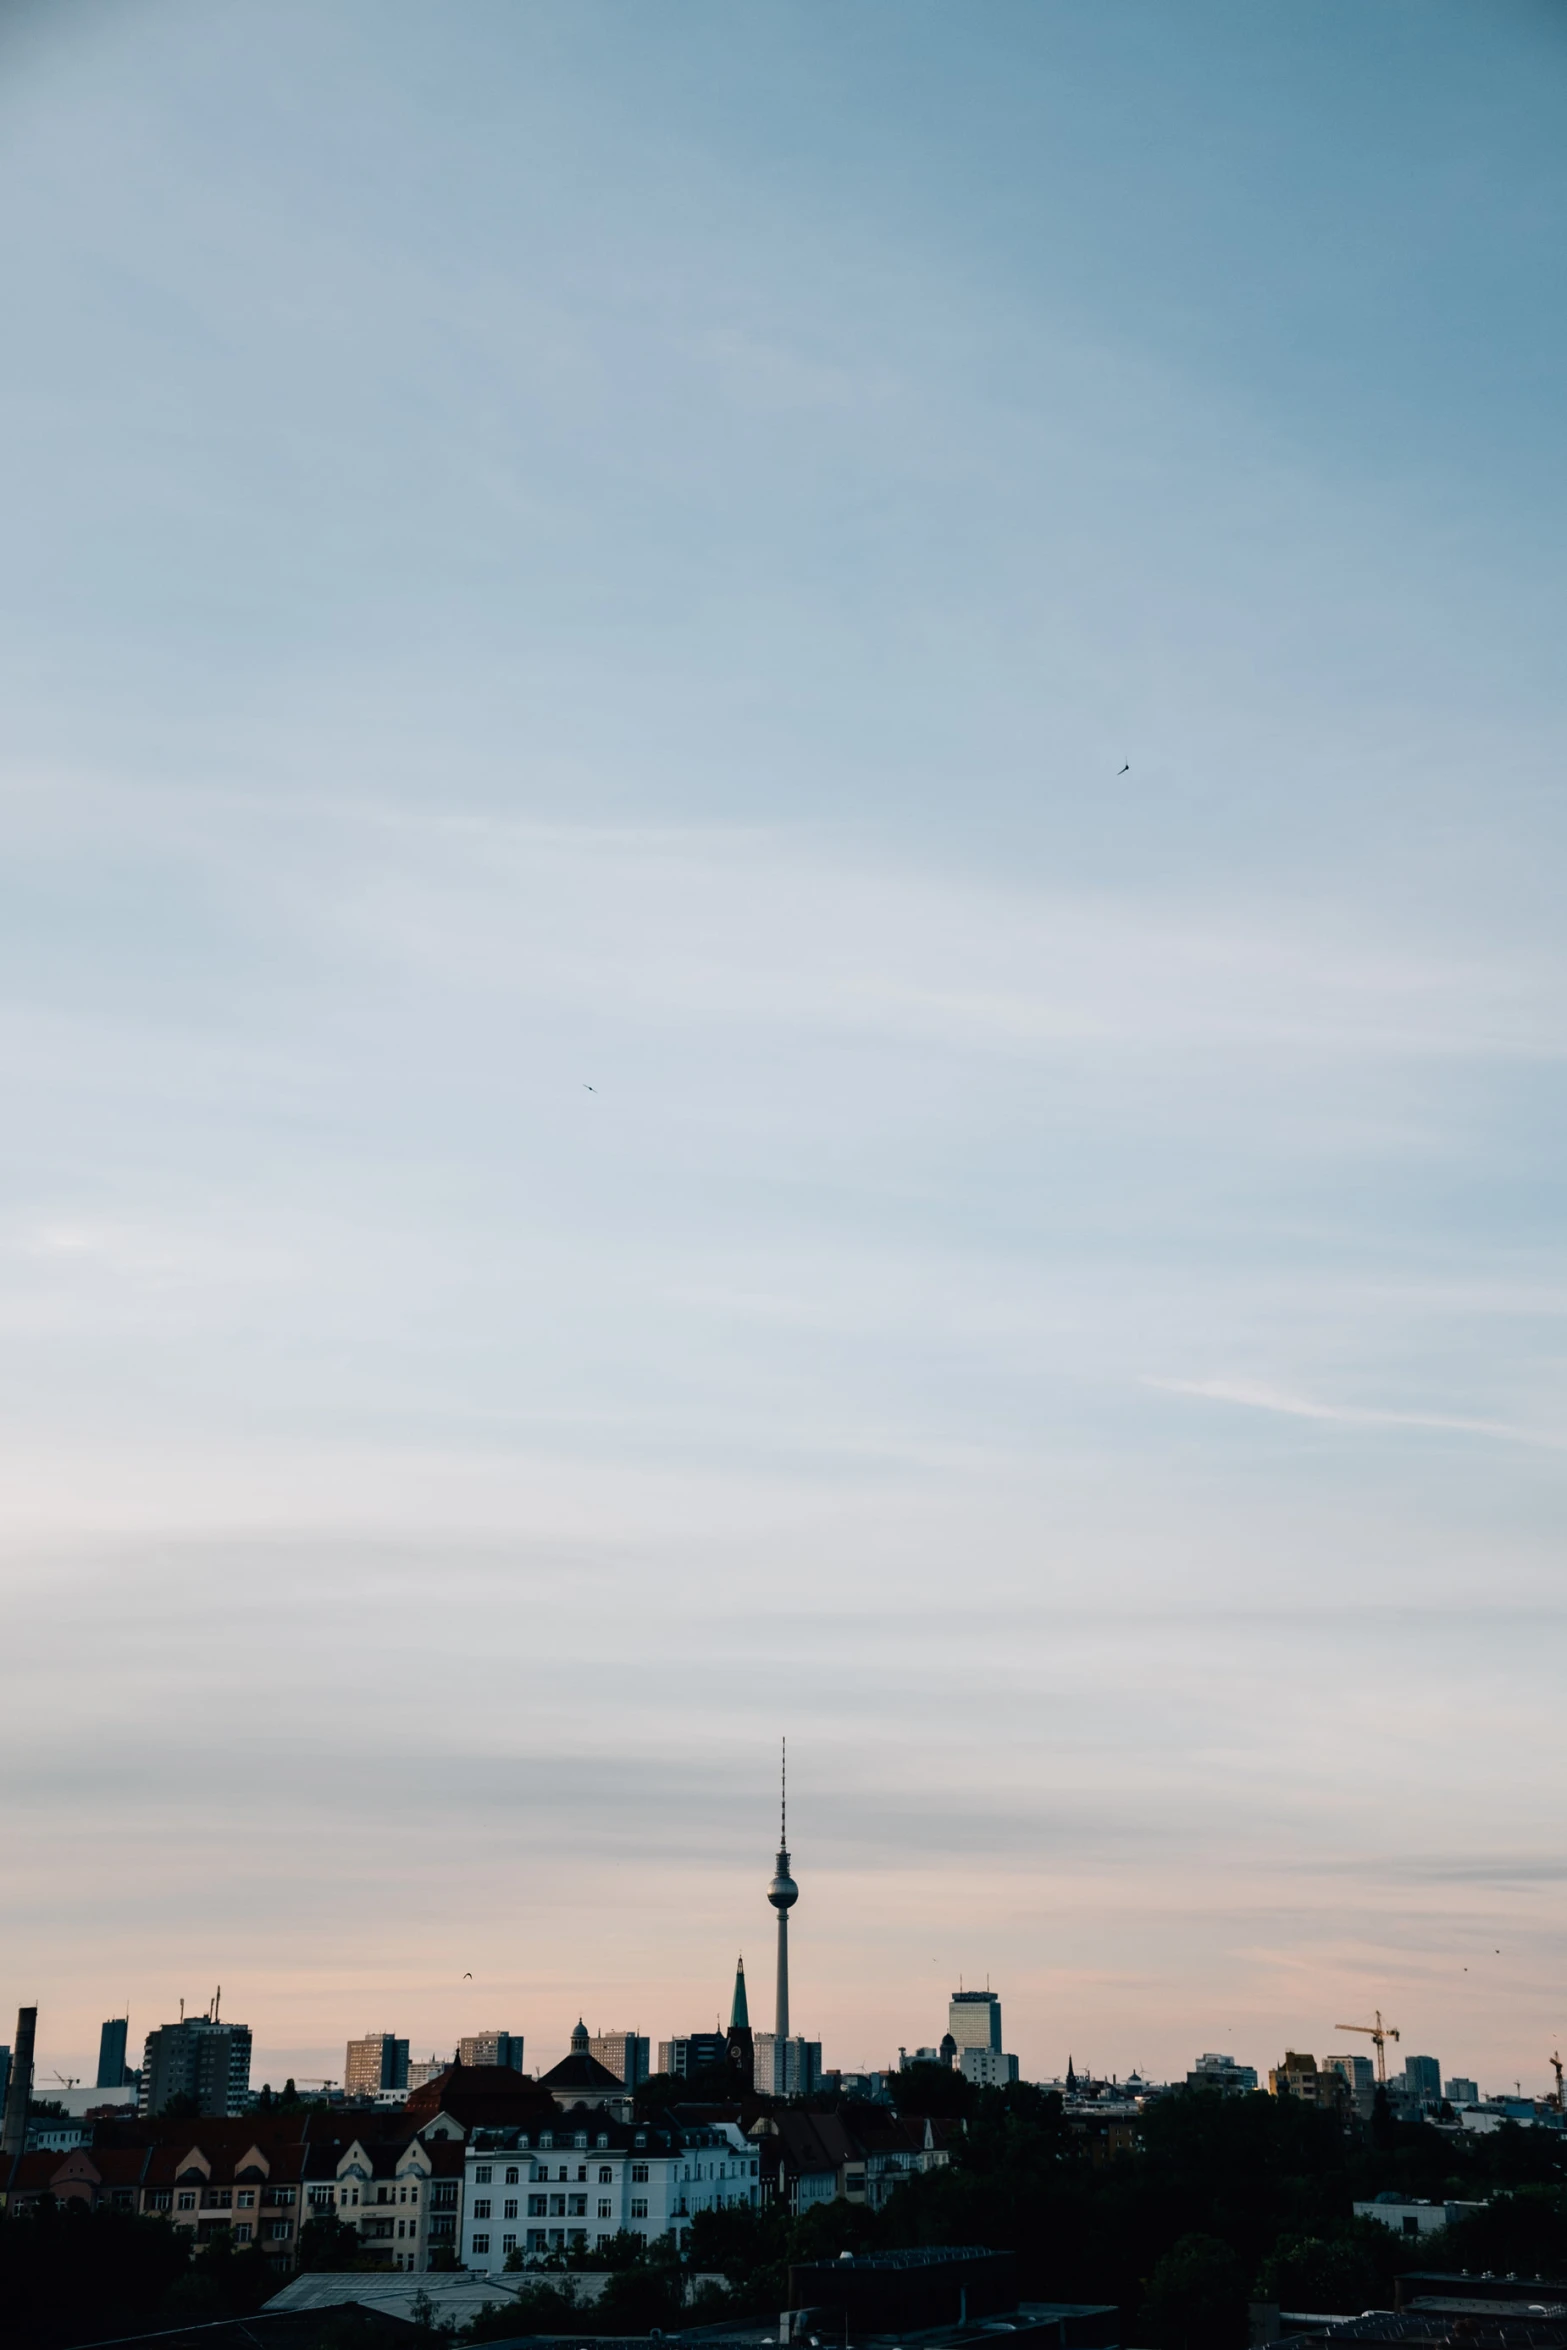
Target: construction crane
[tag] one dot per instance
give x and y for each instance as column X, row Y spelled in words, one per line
column 1556, row 2067
column 1379, row 2034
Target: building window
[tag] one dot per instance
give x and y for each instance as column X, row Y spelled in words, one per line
column 481, row 2243
column 161, row 2198
column 511, row 2174
column 246, row 2199
column 639, row 2207
column 320, row 2197
column 444, row 2194
column 280, row 2194
column 582, row 2171
column 603, row 2239
column 557, row 2207
column 481, row 2177
column 508, row 2243
column 535, row 2239
column 606, row 2175
column 242, row 2232
column 538, row 2205
column 546, row 2137
column 481, row 2209
column 606, row 2209
column 602, row 2139
column 639, row 2173
column 510, row 2209
column 577, row 2206
column 218, row 2198
column 277, row 2229
column 580, row 2139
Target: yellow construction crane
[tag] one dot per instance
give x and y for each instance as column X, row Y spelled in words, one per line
column 1379, row 2033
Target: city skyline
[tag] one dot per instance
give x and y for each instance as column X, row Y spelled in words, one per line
column 780, row 801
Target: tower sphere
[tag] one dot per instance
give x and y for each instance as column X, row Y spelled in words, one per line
column 783, row 1892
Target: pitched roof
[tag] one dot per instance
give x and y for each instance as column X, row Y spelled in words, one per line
column 581, row 2071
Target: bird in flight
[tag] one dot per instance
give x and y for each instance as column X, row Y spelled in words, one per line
column 1127, row 769
column 588, row 1088
column 468, row 1975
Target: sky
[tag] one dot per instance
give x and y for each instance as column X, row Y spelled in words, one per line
column 780, row 953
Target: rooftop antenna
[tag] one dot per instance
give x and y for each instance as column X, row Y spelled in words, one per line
column 783, row 1795
column 182, row 2007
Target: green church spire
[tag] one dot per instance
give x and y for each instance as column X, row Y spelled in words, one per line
column 740, row 2014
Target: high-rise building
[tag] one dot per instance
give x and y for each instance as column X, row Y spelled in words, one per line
column 625, row 2054
column 692, row 2054
column 503, row 2048
column 974, row 2019
column 1423, row 2080
column 786, row 2068
column 1359, row 2072
column 426, row 2068
column 376, row 2063
column 198, row 2058
column 1461, row 2091
column 19, row 2084
column 113, row 2071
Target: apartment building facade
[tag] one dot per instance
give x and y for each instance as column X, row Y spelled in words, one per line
column 588, row 2178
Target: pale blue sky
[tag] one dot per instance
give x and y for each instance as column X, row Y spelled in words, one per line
column 571, row 546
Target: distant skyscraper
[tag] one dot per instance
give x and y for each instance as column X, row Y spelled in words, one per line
column 786, row 2068
column 625, row 2054
column 692, row 2054
column 974, row 2019
column 503, row 2048
column 783, row 1893
column 113, row 2072
column 375, row 2063
column 1423, row 2079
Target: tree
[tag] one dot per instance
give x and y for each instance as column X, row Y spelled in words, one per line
column 327, row 2242
column 933, row 2089
column 1197, row 2297
column 1348, row 2269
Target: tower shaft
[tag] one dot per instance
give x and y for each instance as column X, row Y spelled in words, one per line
column 781, row 2010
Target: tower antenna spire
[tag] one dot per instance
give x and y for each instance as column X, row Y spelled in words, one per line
column 783, row 1794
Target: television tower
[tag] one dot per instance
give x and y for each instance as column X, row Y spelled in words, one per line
column 783, row 1893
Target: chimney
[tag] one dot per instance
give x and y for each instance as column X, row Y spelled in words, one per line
column 13, row 2137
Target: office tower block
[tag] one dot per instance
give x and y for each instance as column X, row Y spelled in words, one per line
column 787, row 2068
column 625, row 2054
column 974, row 2019
column 1423, row 2080
column 375, row 2063
column 503, row 2048
column 113, row 2071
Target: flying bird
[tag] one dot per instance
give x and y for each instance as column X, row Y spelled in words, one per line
column 588, row 1088
column 1127, row 769
column 468, row 1975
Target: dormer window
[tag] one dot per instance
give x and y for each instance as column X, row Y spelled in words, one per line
column 546, row 2137
column 602, row 2138
column 580, row 2139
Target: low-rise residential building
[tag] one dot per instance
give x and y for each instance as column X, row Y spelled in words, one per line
column 859, row 2156
column 591, row 2176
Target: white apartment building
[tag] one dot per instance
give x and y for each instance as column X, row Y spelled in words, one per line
column 797, row 2075
column 988, row 2068
column 534, row 2192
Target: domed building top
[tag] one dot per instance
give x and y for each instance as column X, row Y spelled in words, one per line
column 579, row 2039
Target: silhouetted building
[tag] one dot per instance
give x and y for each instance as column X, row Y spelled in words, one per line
column 739, row 2046
column 113, row 2071
column 792, row 2069
column 1223, row 2073
column 1422, row 2080
column 197, row 2058
column 693, row 2054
